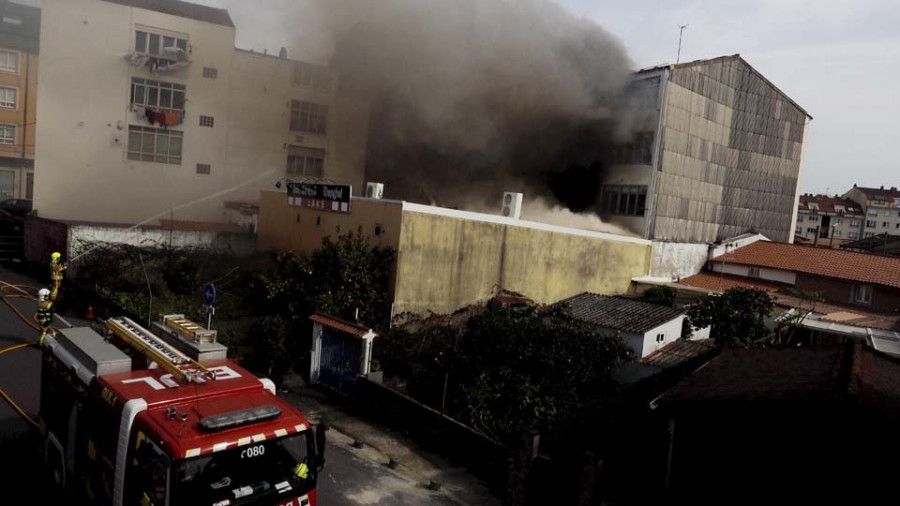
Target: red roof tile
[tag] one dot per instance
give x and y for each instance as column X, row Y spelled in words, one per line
column 829, row 263
column 342, row 325
column 888, row 194
column 826, row 204
column 722, row 282
column 679, row 352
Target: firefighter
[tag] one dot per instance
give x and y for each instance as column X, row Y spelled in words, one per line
column 45, row 309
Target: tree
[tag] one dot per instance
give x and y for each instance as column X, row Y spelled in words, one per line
column 788, row 324
column 267, row 345
column 662, row 295
column 520, row 369
column 737, row 316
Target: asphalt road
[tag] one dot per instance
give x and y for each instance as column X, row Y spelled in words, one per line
column 350, row 477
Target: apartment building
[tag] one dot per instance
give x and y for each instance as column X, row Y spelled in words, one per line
column 881, row 207
column 149, row 110
column 828, row 221
column 720, row 155
column 20, row 27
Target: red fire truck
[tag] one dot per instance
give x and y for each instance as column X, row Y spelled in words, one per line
column 134, row 417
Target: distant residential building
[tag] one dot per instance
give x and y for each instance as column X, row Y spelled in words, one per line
column 882, row 244
column 148, row 109
column 719, row 155
column 829, row 221
column 861, row 291
column 882, row 208
column 20, row 29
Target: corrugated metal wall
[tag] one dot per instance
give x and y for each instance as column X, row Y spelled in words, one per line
column 731, row 151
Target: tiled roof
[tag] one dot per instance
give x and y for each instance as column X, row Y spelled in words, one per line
column 826, row 204
column 848, row 315
column 888, row 194
column 620, row 313
column 342, row 325
column 181, row 9
column 790, row 374
column 797, row 374
column 677, row 353
column 825, row 262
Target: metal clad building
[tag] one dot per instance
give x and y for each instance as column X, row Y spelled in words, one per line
column 724, row 159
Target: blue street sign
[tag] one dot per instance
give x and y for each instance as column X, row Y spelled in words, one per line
column 209, row 294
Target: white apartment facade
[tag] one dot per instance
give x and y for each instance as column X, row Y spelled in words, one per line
column 148, row 110
column 882, row 209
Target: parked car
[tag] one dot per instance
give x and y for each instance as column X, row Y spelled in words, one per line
column 16, row 207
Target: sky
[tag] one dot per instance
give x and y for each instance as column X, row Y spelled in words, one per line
column 833, row 57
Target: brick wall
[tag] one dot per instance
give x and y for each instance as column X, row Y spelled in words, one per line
column 841, row 292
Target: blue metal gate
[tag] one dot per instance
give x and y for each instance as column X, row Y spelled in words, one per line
column 341, row 356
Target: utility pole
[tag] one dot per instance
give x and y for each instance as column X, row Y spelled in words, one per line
column 680, row 36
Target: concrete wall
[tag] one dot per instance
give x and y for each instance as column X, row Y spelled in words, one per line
column 777, row 275
column 671, row 331
column 82, row 237
column 286, row 228
column 730, row 156
column 677, row 260
column 450, row 260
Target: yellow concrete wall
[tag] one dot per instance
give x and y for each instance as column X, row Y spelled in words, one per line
column 445, row 263
column 287, row 228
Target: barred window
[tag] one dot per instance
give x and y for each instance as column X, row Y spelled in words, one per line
column 309, row 117
column 211, row 72
column 7, row 134
column 207, row 121
column 157, row 94
column 8, row 98
column 9, row 61
column 624, row 200
column 204, row 168
column 305, row 162
column 154, row 145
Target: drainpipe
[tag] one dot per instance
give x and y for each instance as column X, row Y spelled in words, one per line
column 25, row 118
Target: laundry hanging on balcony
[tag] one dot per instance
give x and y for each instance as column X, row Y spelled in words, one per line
column 163, row 118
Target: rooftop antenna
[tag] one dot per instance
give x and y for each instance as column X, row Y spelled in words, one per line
column 680, row 35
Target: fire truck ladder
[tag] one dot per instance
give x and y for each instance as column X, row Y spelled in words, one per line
column 169, row 358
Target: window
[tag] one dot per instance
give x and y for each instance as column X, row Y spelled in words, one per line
column 157, row 94
column 753, row 272
column 640, row 151
column 879, row 200
column 884, row 224
column 838, row 221
column 660, row 338
column 9, row 61
column 210, row 72
column 811, row 230
column 837, row 233
column 311, row 76
column 204, row 168
column 8, row 97
column 305, row 162
column 207, row 121
column 871, row 223
column 624, row 200
column 12, row 21
column 855, row 223
column 7, row 134
column 154, row 145
column 309, row 117
column 869, row 234
column 7, row 184
column 153, row 43
column 798, row 231
column 29, row 185
column 813, row 218
column 862, row 294
column 873, row 212
column 799, row 218
column 854, row 235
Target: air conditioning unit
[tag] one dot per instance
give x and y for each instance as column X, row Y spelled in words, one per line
column 374, row 190
column 512, row 205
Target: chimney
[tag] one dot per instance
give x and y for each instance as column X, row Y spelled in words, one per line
column 283, row 53
column 882, row 187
